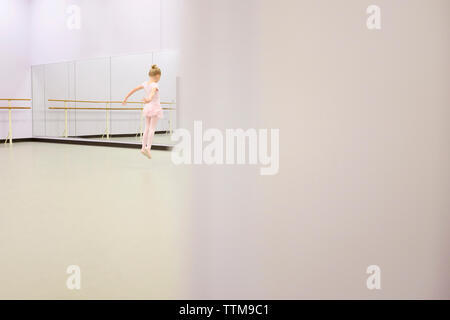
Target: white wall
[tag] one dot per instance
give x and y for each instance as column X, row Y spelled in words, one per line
column 107, row 28
column 15, row 65
column 171, row 23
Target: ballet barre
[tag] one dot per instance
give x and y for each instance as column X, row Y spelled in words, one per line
column 106, row 109
column 10, row 108
column 104, row 102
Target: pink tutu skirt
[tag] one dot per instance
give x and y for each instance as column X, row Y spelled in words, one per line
column 153, row 111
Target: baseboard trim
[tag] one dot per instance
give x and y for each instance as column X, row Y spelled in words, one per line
column 117, row 135
column 86, row 142
column 17, row 140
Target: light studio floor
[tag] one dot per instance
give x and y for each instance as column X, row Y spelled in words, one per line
column 111, row 211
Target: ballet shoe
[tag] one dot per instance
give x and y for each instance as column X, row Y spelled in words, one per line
column 144, row 153
column 147, row 153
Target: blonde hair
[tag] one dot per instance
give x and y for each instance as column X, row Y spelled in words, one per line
column 155, row 70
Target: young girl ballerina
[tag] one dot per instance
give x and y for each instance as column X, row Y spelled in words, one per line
column 152, row 107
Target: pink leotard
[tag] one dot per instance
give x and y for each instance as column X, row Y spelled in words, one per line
column 152, row 109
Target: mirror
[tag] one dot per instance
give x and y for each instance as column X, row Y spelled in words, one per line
column 82, row 99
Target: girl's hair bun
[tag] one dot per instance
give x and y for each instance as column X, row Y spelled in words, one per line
column 155, row 70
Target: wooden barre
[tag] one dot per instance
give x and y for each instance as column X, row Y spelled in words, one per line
column 66, row 108
column 92, row 101
column 15, row 107
column 10, row 108
column 81, row 108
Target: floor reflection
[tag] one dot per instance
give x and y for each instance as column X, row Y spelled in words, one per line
column 160, row 138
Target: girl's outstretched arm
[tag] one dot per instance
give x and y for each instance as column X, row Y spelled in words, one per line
column 140, row 87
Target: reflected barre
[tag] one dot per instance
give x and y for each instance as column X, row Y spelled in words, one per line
column 104, row 102
column 82, row 108
column 9, row 108
column 107, row 108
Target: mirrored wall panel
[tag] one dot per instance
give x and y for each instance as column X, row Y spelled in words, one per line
column 83, row 99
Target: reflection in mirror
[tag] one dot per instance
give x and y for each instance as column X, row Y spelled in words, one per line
column 83, row 99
